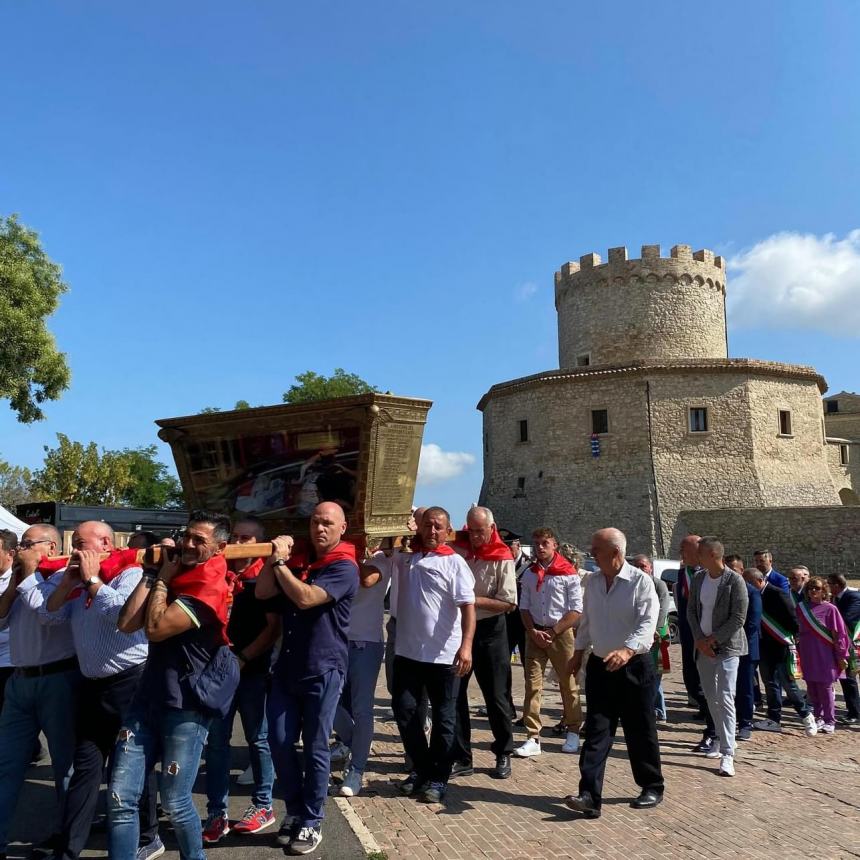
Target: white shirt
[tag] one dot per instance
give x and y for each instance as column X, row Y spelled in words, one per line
column 5, row 657
column 557, row 596
column 431, row 590
column 623, row 617
column 368, row 610
column 30, row 642
column 707, row 599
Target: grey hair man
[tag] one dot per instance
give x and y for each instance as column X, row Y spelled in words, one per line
column 619, row 617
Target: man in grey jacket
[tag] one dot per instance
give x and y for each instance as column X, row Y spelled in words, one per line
column 716, row 612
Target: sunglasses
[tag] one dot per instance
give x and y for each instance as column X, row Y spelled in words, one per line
column 28, row 544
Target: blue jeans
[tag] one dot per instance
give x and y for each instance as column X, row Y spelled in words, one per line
column 32, row 705
column 659, row 699
column 250, row 702
column 303, row 707
column 175, row 738
column 353, row 720
column 745, row 691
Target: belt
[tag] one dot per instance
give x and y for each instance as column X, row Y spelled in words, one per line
column 542, row 626
column 47, row 668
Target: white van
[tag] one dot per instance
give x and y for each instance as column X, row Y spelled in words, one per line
column 668, row 569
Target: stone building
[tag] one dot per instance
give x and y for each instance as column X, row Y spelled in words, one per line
column 647, row 419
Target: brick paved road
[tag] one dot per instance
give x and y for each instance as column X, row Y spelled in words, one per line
column 793, row 797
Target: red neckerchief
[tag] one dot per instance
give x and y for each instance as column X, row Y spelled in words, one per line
column 207, row 583
column 344, row 551
column 117, row 562
column 442, row 549
column 559, row 566
column 252, row 571
column 495, row 549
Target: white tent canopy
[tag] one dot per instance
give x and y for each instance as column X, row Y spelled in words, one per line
column 11, row 522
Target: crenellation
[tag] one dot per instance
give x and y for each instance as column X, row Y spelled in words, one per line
column 704, row 256
column 719, row 262
column 682, row 252
column 650, row 252
column 569, row 269
column 618, row 255
column 589, row 261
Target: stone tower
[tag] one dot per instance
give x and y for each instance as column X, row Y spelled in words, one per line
column 652, row 308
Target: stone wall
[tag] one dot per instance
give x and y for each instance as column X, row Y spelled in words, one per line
column 649, row 308
column 843, row 425
column 846, row 478
column 825, row 539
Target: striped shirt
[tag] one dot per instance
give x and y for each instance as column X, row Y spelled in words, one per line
column 102, row 649
column 30, row 643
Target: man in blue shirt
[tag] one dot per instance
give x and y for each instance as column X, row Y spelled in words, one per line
column 764, row 563
column 309, row 675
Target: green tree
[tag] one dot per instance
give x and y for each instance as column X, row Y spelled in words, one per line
column 14, row 485
column 78, row 474
column 32, row 370
column 314, row 386
column 152, row 485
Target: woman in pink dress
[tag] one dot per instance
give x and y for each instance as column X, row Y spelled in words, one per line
column 822, row 643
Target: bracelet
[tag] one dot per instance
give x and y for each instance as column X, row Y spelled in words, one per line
column 279, row 562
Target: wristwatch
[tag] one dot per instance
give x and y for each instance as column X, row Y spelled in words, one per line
column 279, row 562
column 93, row 580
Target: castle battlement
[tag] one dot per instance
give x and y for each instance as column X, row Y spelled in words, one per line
column 650, row 259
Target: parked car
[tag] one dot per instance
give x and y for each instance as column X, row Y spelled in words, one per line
column 668, row 570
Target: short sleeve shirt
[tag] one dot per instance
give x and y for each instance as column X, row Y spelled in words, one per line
column 315, row 640
column 173, row 662
column 248, row 621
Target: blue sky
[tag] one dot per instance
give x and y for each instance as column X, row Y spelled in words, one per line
column 241, row 192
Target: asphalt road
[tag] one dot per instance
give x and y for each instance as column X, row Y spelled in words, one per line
column 37, row 805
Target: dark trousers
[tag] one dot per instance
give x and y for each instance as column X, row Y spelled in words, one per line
column 5, row 675
column 852, row 697
column 103, row 704
column 411, row 679
column 745, row 691
column 516, row 639
column 774, row 675
column 491, row 665
column 626, row 695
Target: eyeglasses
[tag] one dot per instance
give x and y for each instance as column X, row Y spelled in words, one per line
column 28, row 544
column 813, row 588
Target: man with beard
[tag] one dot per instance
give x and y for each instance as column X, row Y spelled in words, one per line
column 492, row 566
column 253, row 629
column 190, row 678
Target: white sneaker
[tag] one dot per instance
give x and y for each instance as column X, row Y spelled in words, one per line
column 529, row 748
column 714, row 752
column 246, row 777
column 571, row 744
column 767, row 725
column 809, row 725
column 820, row 724
column 827, row 728
column 727, row 765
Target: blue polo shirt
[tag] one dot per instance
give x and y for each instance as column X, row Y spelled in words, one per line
column 316, row 640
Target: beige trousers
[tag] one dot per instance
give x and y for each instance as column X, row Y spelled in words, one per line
column 558, row 654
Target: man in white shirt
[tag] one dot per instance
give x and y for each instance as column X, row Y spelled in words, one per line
column 435, row 628
column 619, row 618
column 8, row 544
column 550, row 606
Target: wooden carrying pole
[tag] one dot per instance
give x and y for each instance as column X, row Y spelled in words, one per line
column 152, row 555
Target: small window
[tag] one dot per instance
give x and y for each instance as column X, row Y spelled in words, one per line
column 832, row 405
column 521, row 488
column 784, row 422
column 599, row 421
column 699, row 419
column 486, row 443
column 583, row 360
column 843, row 455
column 524, row 431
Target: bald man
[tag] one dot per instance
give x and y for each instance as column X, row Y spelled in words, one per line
column 619, row 618
column 42, row 693
column 88, row 599
column 309, row 675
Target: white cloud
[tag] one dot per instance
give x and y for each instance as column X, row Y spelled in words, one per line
column 526, row 290
column 437, row 465
column 794, row 280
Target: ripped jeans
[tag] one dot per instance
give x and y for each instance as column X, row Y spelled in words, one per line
column 175, row 738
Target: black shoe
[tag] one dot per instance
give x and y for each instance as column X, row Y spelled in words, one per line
column 461, row 768
column 584, row 803
column 47, row 848
column 520, row 723
column 705, row 745
column 648, row 799
column 559, row 728
column 847, row 721
column 744, row 733
column 503, row 767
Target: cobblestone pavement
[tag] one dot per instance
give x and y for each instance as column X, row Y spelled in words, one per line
column 792, row 797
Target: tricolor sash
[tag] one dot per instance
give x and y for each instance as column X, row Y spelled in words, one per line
column 773, row 628
column 686, row 580
column 805, row 612
column 854, row 652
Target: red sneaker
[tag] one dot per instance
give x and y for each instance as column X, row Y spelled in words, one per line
column 255, row 819
column 215, row 828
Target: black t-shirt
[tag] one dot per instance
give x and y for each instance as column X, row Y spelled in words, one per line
column 248, row 621
column 172, row 662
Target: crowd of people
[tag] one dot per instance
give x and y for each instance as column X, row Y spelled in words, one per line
column 156, row 660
